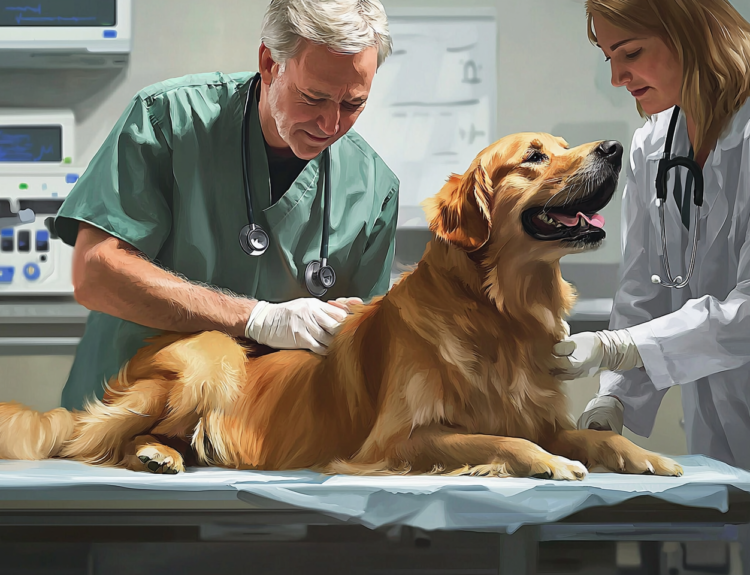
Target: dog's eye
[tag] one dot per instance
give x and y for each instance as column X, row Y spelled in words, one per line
column 535, row 157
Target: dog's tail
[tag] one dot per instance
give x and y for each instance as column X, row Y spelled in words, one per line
column 29, row 434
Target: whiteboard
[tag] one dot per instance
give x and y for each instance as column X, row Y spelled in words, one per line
column 432, row 105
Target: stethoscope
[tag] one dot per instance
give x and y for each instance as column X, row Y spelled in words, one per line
column 319, row 276
column 665, row 164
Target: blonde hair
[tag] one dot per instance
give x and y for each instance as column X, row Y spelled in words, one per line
column 344, row 26
column 712, row 42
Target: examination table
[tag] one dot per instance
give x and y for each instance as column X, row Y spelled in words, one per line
column 707, row 502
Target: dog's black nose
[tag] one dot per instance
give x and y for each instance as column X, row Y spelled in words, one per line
column 611, row 149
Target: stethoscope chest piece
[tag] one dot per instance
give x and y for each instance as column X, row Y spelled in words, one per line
column 319, row 277
column 254, row 240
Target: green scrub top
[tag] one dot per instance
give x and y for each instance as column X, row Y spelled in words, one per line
column 168, row 180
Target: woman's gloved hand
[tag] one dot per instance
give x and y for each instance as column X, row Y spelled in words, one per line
column 603, row 413
column 304, row 323
column 586, row 354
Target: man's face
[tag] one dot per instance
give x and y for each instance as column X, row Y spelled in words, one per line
column 317, row 98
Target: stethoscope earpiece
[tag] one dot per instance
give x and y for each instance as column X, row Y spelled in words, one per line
column 319, row 276
column 254, row 240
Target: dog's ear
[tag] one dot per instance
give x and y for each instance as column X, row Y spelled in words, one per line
column 460, row 213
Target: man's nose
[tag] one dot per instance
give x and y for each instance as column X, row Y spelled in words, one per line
column 328, row 121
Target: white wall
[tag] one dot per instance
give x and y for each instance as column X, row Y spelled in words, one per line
column 550, row 78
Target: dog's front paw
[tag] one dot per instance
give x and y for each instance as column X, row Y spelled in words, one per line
column 556, row 467
column 618, row 454
column 160, row 459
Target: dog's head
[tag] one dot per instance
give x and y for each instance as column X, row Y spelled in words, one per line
column 529, row 192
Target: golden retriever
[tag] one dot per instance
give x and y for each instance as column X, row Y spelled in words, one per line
column 448, row 373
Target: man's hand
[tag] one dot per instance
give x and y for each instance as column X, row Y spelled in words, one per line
column 586, row 354
column 603, row 413
column 304, row 323
column 345, row 303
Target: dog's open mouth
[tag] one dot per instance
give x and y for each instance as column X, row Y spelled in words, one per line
column 574, row 222
column 559, row 225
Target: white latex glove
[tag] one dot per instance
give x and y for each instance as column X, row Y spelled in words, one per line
column 604, row 412
column 304, row 323
column 586, row 354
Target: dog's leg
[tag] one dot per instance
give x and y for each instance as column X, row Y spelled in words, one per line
column 466, row 454
column 609, row 450
column 104, row 429
column 147, row 453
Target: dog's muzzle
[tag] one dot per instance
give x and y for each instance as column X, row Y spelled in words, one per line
column 591, row 188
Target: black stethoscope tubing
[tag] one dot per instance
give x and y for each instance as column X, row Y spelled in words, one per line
column 319, row 276
column 665, row 164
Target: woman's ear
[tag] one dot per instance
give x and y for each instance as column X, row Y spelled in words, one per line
column 460, row 213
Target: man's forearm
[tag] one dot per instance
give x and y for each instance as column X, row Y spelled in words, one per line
column 132, row 288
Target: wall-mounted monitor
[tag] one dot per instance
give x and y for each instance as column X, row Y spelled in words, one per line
column 65, row 33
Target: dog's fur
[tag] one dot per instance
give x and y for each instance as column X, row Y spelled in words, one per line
column 450, row 372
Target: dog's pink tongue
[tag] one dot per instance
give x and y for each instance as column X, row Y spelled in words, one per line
column 596, row 220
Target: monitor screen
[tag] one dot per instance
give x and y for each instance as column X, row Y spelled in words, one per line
column 61, row 13
column 31, row 144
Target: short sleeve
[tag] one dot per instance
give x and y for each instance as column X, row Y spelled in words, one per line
column 126, row 189
column 373, row 275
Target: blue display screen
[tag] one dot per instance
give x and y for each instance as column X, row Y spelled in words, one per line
column 30, row 144
column 65, row 13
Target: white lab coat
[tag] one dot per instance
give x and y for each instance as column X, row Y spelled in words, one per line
column 697, row 337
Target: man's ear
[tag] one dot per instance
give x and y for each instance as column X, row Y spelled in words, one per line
column 266, row 65
column 460, row 213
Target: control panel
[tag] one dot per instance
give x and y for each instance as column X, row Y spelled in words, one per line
column 37, row 172
column 32, row 260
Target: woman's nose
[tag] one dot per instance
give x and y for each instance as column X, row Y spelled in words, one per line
column 620, row 75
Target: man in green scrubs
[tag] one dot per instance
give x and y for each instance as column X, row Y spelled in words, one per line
column 155, row 218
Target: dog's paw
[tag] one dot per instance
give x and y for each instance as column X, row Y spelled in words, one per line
column 556, row 467
column 664, row 466
column 620, row 455
column 648, row 463
column 160, row 459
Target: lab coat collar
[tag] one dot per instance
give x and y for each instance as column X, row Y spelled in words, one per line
column 736, row 130
column 731, row 137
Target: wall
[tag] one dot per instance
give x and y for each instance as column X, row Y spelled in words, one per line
column 550, row 79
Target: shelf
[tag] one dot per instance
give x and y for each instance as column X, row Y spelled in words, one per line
column 42, row 310
column 38, row 345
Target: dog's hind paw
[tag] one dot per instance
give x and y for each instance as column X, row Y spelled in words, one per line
column 160, row 459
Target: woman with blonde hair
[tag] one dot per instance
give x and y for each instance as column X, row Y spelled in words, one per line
column 681, row 314
column 687, row 65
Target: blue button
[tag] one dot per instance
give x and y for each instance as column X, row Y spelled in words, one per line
column 110, row 33
column 31, row 271
column 71, row 178
column 6, row 274
column 42, row 241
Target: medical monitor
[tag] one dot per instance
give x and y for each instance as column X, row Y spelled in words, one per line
column 65, row 33
column 36, row 140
